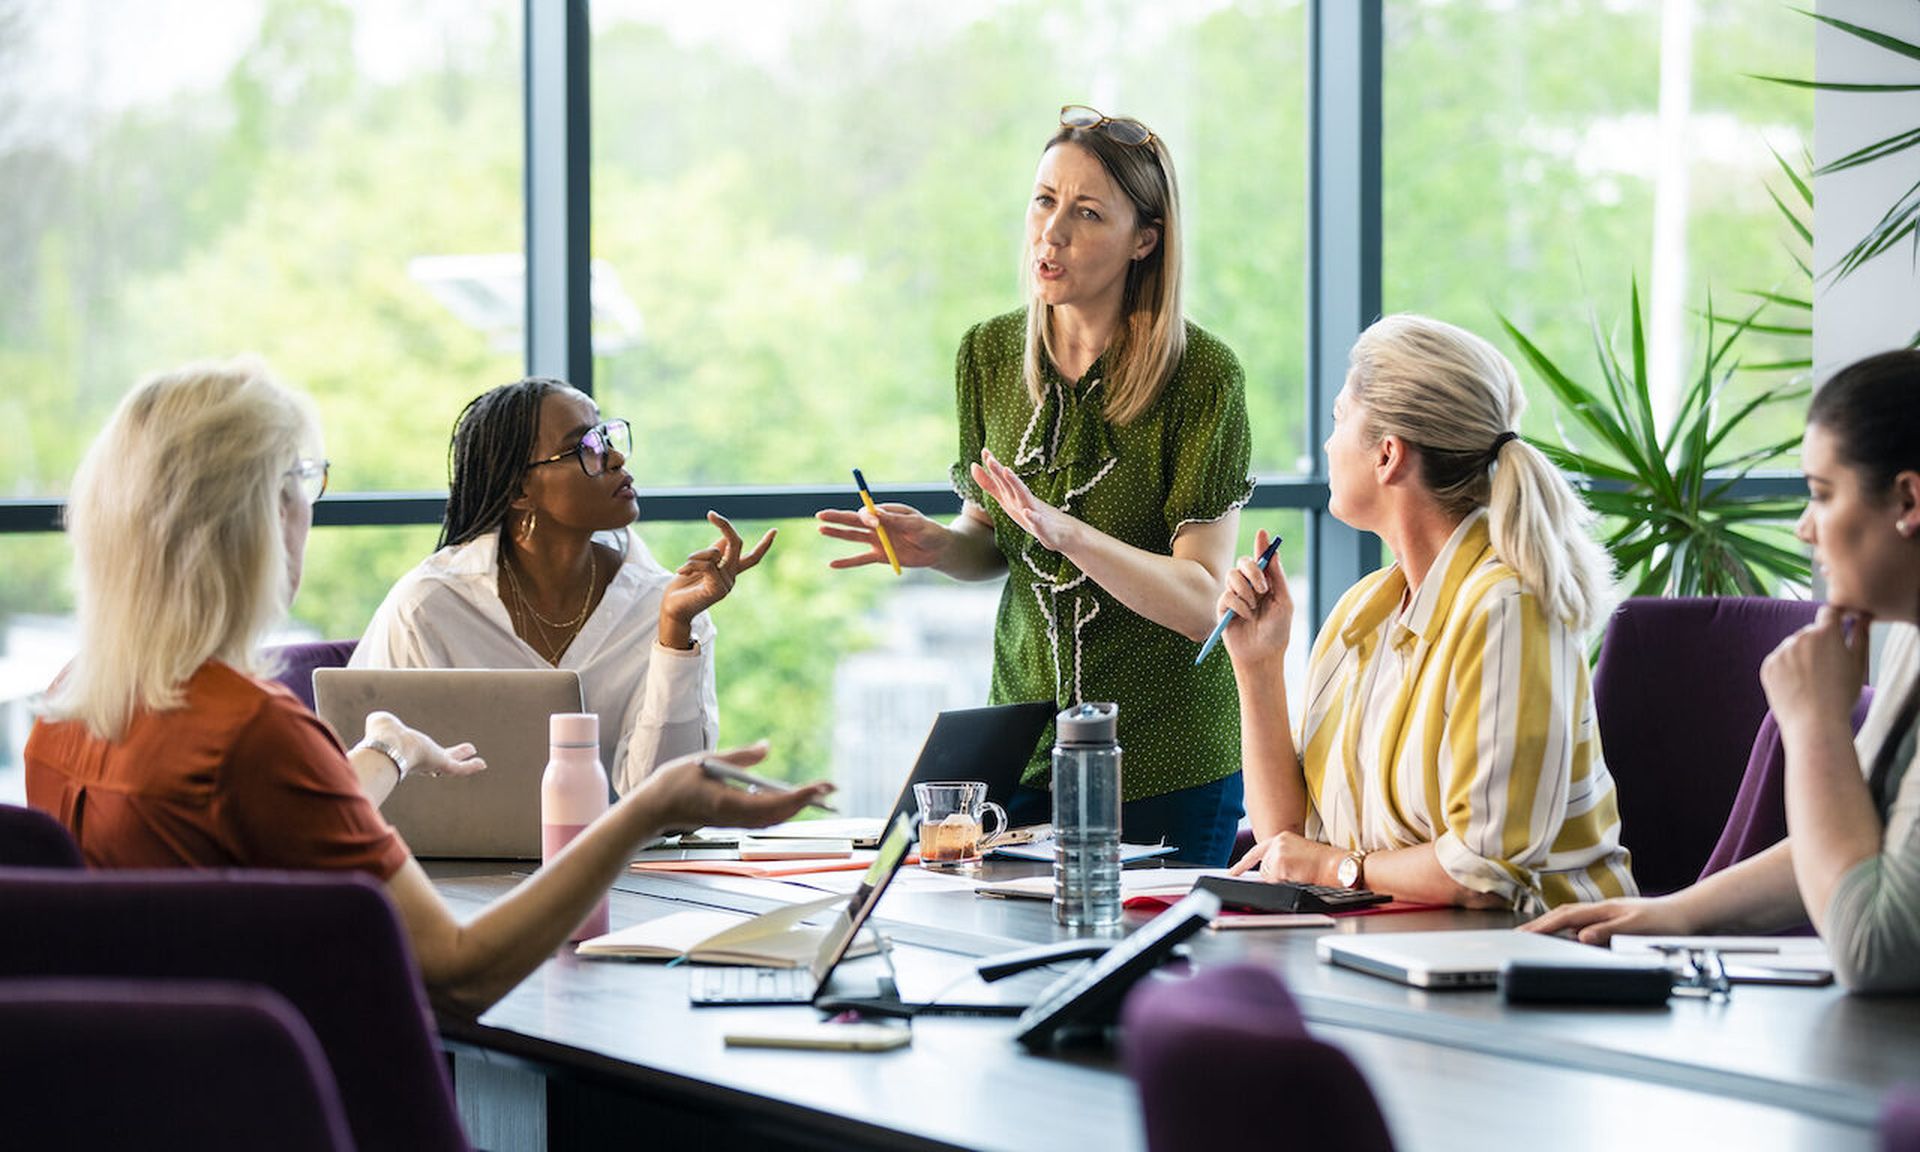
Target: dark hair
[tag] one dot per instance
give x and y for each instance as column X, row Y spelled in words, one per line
column 487, row 459
column 1872, row 409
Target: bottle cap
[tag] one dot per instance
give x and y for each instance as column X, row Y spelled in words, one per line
column 573, row 730
column 1088, row 723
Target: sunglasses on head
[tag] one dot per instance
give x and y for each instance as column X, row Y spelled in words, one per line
column 1119, row 129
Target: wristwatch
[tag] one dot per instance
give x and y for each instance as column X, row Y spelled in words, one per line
column 392, row 753
column 1353, row 869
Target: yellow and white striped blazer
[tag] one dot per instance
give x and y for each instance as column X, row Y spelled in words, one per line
column 1485, row 746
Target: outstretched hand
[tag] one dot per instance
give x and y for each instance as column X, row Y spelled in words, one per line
column 686, row 797
column 425, row 754
column 706, row 578
column 1045, row 523
column 918, row 541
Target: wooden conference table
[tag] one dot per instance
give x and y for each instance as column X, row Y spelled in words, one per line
column 598, row 1054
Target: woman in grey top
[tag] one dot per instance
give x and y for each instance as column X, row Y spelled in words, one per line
column 1851, row 860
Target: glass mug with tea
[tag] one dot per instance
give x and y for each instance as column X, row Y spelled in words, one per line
column 950, row 823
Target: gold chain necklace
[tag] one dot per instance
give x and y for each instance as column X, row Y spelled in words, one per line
column 545, row 627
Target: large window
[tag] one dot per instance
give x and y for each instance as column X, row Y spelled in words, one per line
column 798, row 209
column 805, row 204
column 1541, row 157
column 333, row 186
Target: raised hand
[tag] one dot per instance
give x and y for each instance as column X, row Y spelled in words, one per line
column 1816, row 673
column 705, row 579
column 1262, row 605
column 1045, row 523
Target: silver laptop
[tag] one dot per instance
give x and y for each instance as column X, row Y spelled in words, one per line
column 502, row 711
column 1457, row 959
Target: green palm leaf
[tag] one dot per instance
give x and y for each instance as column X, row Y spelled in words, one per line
column 1669, row 516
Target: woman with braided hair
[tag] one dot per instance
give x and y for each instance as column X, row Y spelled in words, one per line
column 537, row 567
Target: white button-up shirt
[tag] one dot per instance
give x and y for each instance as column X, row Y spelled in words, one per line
column 654, row 703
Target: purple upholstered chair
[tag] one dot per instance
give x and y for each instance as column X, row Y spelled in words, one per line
column 1206, row 1051
column 1678, row 698
column 1900, row 1119
column 297, row 662
column 29, row 838
column 213, row 1066
column 330, row 943
column 1759, row 817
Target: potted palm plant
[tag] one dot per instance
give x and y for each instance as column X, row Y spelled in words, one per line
column 1673, row 518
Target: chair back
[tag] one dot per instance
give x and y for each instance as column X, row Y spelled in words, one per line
column 1900, row 1119
column 29, row 838
column 1759, row 817
column 329, row 942
column 213, row 1066
column 1678, row 699
column 297, row 662
column 1205, row 1050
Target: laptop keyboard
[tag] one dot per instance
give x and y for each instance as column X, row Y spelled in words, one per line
column 727, row 985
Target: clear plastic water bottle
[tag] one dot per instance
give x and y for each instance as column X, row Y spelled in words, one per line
column 1086, row 817
column 573, row 794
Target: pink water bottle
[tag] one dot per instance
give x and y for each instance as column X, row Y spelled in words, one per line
column 573, row 794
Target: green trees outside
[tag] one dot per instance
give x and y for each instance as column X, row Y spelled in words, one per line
column 805, row 231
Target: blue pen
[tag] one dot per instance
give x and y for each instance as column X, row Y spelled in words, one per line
column 1226, row 617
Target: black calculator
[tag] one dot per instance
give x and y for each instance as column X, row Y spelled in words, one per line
column 1286, row 896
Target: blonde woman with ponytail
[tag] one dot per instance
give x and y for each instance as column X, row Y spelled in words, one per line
column 1447, row 751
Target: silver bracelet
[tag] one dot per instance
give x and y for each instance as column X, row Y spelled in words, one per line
column 387, row 750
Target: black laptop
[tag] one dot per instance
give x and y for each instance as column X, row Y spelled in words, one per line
column 992, row 744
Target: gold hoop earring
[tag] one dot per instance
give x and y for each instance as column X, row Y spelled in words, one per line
column 526, row 533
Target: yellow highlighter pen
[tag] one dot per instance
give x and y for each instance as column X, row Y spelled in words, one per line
column 866, row 497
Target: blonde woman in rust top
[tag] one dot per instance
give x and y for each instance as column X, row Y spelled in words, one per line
column 162, row 746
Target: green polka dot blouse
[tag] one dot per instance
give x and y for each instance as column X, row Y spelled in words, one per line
column 1061, row 636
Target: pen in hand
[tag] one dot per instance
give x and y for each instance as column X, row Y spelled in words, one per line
column 1226, row 618
column 866, row 497
column 721, row 770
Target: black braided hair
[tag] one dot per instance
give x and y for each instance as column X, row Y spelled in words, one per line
column 487, row 458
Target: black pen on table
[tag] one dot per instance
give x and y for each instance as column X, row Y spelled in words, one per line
column 721, row 770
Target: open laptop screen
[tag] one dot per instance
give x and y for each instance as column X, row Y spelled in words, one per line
column 873, row 885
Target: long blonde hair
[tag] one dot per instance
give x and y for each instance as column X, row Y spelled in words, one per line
column 1452, row 395
column 1152, row 336
column 176, row 523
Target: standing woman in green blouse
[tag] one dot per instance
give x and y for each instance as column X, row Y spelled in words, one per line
column 1103, row 463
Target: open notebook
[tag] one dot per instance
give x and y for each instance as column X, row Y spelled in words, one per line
column 777, row 939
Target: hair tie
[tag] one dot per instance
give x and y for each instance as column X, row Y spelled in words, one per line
column 1500, row 442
